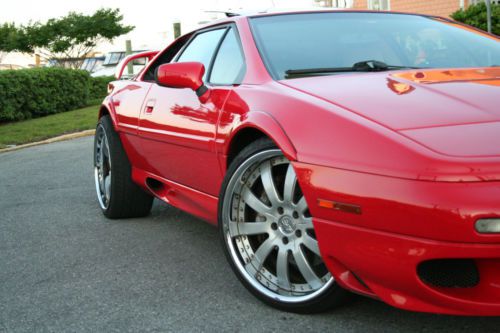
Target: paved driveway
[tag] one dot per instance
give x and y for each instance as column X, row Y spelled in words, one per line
column 63, row 267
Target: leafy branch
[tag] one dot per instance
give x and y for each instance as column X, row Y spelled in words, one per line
column 68, row 38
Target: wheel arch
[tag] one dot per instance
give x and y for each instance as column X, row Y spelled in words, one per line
column 108, row 109
column 257, row 125
column 103, row 111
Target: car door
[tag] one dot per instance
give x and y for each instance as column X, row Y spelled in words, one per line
column 177, row 129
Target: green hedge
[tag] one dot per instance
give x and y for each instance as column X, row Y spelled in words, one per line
column 37, row 92
column 99, row 86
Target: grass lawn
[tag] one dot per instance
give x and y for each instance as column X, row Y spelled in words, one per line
column 47, row 127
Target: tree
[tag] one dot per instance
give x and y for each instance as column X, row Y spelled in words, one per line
column 9, row 37
column 475, row 15
column 68, row 38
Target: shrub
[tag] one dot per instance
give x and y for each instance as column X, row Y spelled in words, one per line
column 99, row 86
column 475, row 15
column 37, row 92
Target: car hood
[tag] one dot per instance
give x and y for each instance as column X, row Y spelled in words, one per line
column 452, row 112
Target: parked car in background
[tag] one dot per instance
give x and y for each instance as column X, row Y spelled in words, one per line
column 112, row 60
column 133, row 64
column 335, row 150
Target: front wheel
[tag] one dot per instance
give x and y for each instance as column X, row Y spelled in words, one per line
column 268, row 234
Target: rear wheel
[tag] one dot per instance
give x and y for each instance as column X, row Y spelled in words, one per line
column 118, row 195
column 268, row 234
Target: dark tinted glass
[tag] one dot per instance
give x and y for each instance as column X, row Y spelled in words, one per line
column 319, row 40
column 229, row 65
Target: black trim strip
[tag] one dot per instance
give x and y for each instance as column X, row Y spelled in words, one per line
column 201, row 90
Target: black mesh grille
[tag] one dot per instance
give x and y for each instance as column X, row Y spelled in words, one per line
column 449, row 273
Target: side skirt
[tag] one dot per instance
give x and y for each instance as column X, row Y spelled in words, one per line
column 185, row 198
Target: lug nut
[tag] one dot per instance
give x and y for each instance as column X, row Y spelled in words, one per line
column 295, row 215
column 274, row 226
column 280, row 210
column 285, row 240
column 298, row 233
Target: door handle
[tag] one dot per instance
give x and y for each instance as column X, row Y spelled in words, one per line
column 150, row 105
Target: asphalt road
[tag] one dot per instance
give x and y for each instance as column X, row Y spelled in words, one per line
column 65, row 268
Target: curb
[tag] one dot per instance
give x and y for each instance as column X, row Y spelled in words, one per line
column 51, row 140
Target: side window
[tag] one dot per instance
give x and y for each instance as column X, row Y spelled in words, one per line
column 202, row 48
column 229, row 65
column 165, row 57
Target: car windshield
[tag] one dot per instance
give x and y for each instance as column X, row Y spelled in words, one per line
column 320, row 43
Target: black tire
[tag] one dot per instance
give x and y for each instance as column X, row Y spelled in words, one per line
column 330, row 296
column 126, row 199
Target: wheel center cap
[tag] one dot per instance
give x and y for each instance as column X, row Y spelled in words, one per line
column 287, row 225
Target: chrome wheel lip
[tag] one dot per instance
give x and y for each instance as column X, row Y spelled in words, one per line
column 226, row 214
column 102, row 183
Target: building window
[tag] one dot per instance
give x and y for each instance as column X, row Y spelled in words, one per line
column 379, row 4
column 342, row 3
column 334, row 3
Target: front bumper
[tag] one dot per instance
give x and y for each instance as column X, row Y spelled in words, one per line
column 400, row 225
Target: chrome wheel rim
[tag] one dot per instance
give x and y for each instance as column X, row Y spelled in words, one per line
column 269, row 232
column 102, row 167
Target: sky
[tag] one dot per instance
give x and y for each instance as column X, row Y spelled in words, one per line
column 153, row 19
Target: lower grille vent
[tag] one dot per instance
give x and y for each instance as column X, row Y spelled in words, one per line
column 449, row 273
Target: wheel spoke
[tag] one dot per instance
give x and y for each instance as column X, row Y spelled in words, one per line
column 100, row 156
column 305, row 269
column 301, row 205
column 282, row 269
column 261, row 254
column 290, row 181
column 102, row 184
column 268, row 183
column 311, row 244
column 307, row 223
column 106, row 148
column 107, row 186
column 248, row 228
column 254, row 202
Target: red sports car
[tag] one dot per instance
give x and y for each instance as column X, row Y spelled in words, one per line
column 335, row 150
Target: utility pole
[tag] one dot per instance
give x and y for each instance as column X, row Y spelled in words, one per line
column 488, row 14
column 177, row 29
column 128, row 51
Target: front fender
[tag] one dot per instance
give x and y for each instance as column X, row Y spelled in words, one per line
column 107, row 107
column 260, row 121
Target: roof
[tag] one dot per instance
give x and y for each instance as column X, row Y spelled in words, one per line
column 236, row 15
column 233, row 16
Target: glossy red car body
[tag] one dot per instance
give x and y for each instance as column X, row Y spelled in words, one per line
column 418, row 155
